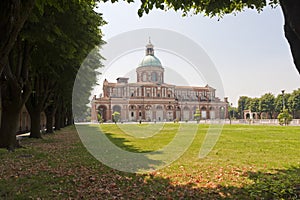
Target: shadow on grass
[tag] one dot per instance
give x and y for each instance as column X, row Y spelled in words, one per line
column 282, row 184
column 103, row 147
column 123, row 143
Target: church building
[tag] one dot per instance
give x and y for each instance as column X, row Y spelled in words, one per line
column 151, row 99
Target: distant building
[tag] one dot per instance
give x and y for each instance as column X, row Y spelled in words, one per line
column 151, row 99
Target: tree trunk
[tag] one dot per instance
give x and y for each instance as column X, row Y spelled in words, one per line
column 291, row 14
column 69, row 117
column 15, row 90
column 36, row 104
column 34, row 111
column 49, row 124
column 293, row 114
column 50, row 112
column 57, row 119
column 63, row 115
column 35, row 127
column 12, row 99
column 9, row 127
column 63, row 120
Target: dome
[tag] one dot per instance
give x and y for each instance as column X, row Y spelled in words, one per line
column 150, row 60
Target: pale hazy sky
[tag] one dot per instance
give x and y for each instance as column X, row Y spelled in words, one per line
column 249, row 50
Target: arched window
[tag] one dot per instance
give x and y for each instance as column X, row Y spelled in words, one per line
column 186, row 108
column 117, row 108
column 159, row 108
column 153, row 76
column 222, row 112
column 144, row 77
column 170, row 107
column 132, row 107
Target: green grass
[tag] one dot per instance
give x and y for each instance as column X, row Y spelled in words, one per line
column 126, row 141
column 272, row 146
column 247, row 162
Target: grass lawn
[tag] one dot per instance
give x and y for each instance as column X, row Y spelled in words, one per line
column 247, row 162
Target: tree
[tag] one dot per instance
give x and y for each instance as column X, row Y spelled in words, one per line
column 50, row 112
column 43, row 67
column 99, row 118
column 85, row 78
column 197, row 115
column 254, row 105
column 219, row 8
column 267, row 104
column 285, row 118
column 279, row 102
column 15, row 77
column 233, row 112
column 15, row 90
column 243, row 104
column 294, row 101
column 68, row 41
column 116, row 116
column 13, row 15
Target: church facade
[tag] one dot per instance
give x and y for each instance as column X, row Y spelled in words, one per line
column 151, row 99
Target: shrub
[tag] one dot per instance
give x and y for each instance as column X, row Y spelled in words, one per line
column 284, row 117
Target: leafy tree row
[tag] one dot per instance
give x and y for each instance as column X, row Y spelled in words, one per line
column 41, row 67
column 270, row 104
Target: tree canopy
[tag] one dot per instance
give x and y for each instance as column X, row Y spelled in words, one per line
column 43, row 63
column 219, row 8
column 209, row 8
column 267, row 104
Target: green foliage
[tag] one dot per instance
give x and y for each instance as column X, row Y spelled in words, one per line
column 285, row 118
column 243, row 104
column 208, row 8
column 86, row 78
column 254, row 105
column 279, row 102
column 294, row 101
column 233, row 112
column 267, row 104
column 70, row 33
column 197, row 115
column 116, row 116
column 99, row 117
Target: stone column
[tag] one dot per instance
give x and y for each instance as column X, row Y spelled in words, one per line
column 94, row 113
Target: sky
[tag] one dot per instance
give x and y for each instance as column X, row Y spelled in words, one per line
column 248, row 50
